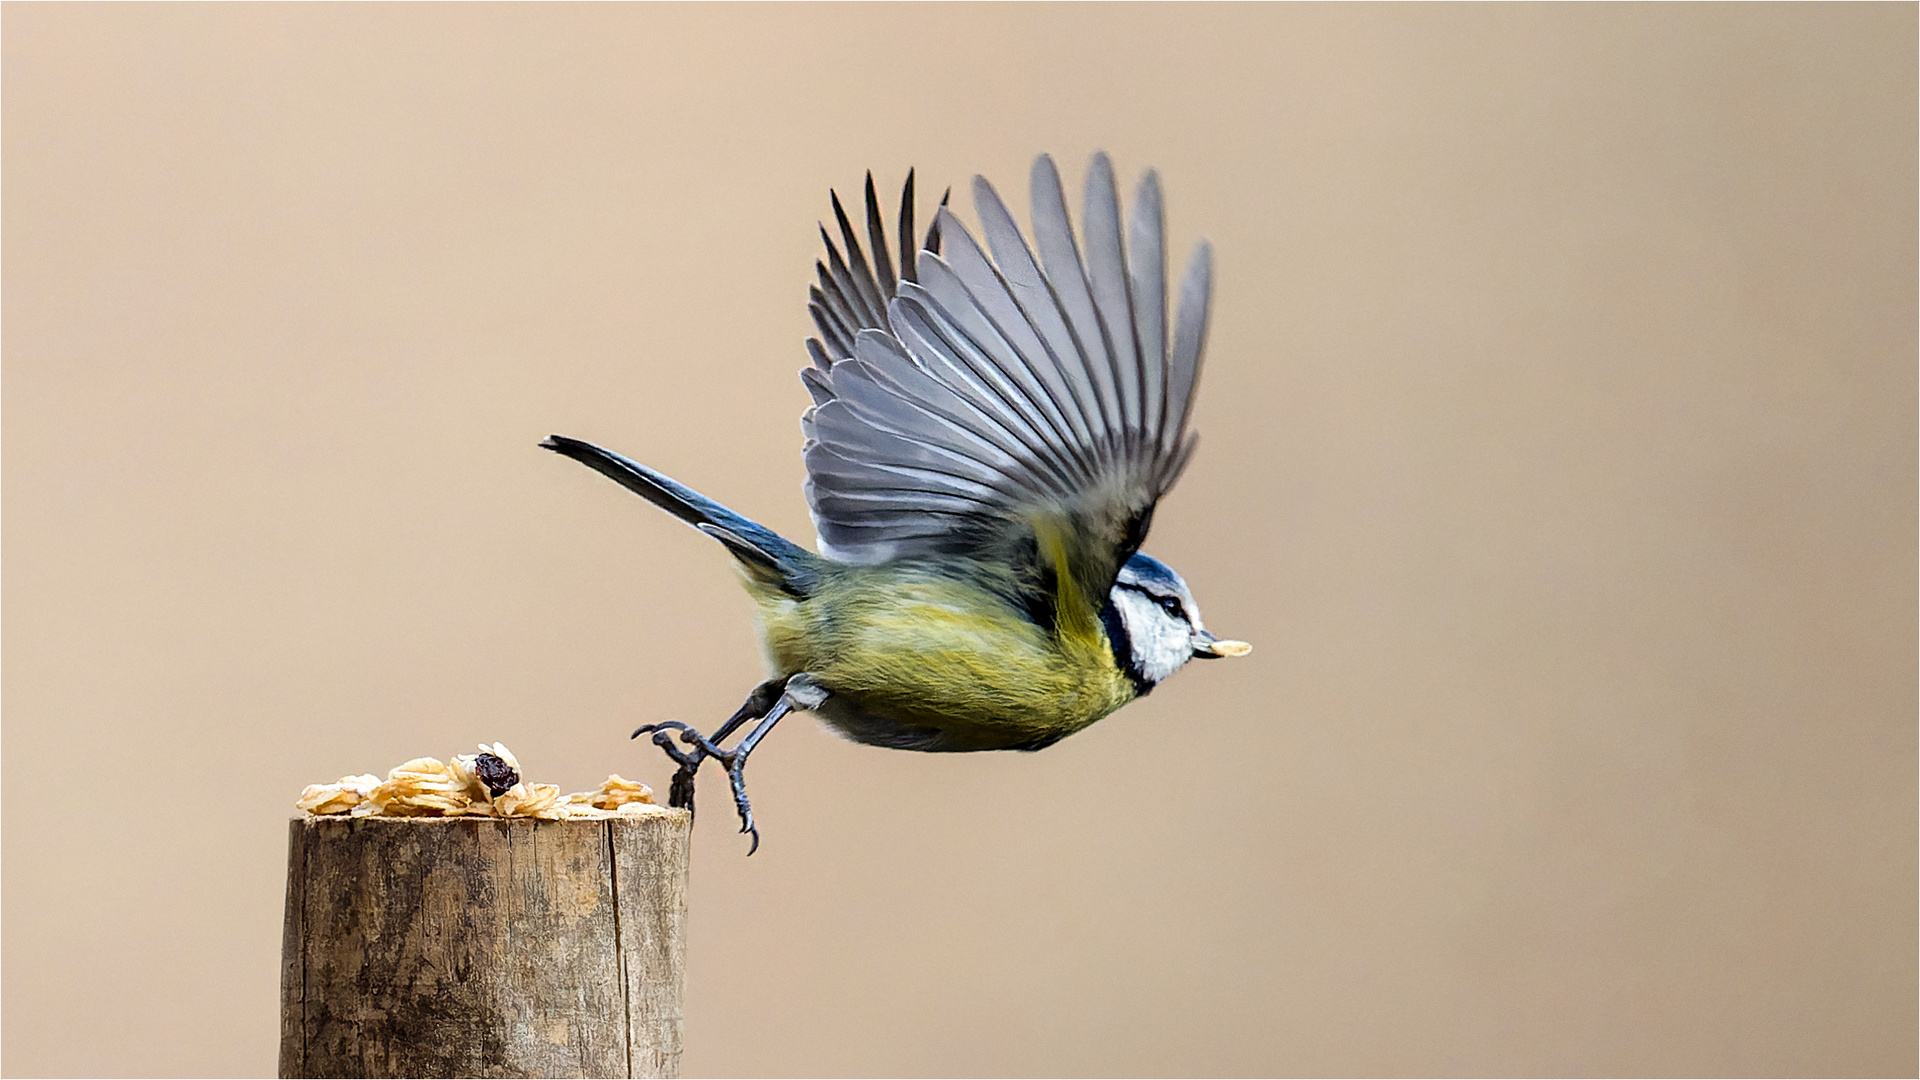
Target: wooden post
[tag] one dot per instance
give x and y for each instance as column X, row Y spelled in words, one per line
column 472, row 946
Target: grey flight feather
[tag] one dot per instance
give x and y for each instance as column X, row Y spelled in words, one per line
column 1147, row 276
column 849, row 297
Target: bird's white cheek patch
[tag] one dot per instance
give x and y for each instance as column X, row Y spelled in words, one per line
column 1161, row 643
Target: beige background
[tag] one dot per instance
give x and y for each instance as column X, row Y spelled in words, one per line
column 1559, row 458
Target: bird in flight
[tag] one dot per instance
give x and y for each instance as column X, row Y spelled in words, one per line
column 990, row 432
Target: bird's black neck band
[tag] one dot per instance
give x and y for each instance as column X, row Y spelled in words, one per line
column 1121, row 643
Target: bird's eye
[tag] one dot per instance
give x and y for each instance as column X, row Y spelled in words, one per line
column 1172, row 607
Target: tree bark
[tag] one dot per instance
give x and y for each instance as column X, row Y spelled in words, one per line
column 473, row 946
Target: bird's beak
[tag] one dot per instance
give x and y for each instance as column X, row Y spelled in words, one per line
column 1208, row 647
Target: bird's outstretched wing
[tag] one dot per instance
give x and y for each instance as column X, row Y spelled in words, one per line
column 994, row 403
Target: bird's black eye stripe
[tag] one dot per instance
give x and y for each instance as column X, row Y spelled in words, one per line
column 1168, row 604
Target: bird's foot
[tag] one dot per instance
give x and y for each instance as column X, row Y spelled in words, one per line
column 769, row 702
column 699, row 749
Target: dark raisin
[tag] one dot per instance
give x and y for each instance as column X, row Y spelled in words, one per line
column 495, row 773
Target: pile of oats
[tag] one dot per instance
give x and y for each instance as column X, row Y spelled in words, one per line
column 486, row 784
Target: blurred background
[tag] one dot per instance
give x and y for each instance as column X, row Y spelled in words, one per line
column 1558, row 457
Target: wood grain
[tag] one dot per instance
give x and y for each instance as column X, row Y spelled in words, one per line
column 484, row 947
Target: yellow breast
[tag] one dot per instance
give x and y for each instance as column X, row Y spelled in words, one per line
column 930, row 651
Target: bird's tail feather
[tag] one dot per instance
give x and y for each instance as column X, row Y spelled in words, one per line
column 766, row 554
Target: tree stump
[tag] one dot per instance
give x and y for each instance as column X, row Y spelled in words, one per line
column 473, row 946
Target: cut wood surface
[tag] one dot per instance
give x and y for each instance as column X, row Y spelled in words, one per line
column 473, row 946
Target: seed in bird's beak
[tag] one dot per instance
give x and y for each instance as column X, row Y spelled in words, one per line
column 1208, row 647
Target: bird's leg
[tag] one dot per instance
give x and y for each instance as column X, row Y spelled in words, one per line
column 801, row 692
column 769, row 702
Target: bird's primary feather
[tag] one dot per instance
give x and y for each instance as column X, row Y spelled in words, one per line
column 848, row 299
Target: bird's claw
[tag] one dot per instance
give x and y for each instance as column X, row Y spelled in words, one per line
column 737, row 778
column 663, row 738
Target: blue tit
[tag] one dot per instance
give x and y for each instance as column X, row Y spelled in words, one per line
column 991, row 429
